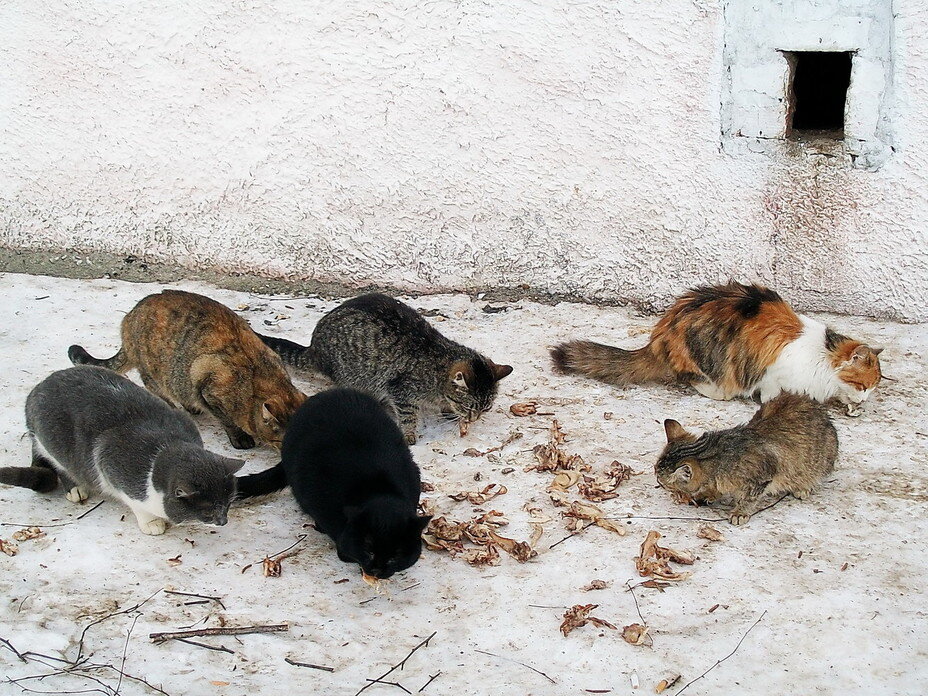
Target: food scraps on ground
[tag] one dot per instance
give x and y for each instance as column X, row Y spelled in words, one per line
column 595, row 585
column 579, row 512
column 579, row 615
column 525, row 408
column 271, row 567
column 8, row 547
column 551, row 457
column 474, row 452
column 604, row 486
column 28, row 533
column 710, row 533
column 374, row 582
column 480, row 497
column 463, row 425
column 654, row 560
column 442, row 535
column 636, row 634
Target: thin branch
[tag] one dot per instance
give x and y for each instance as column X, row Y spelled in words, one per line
column 308, row 664
column 295, row 543
column 718, row 662
column 509, row 659
column 689, row 519
column 572, row 534
column 80, row 644
column 631, row 588
column 381, row 681
column 16, row 652
column 399, row 665
column 217, row 648
column 194, row 594
column 52, row 524
column 218, row 631
column 431, row 679
column 125, row 649
column 775, row 502
column 84, row 514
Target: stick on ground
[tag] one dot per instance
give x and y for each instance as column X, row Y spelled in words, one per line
column 718, row 662
column 399, row 665
column 218, row 631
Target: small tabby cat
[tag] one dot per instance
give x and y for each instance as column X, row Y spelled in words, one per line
column 789, row 446
column 97, row 432
column 198, row 354
column 379, row 345
column 734, row 340
column 349, row 468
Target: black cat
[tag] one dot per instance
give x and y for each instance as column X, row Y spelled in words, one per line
column 350, row 469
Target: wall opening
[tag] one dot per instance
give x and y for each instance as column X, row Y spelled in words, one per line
column 818, row 92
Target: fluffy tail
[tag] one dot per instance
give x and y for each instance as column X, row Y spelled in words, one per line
column 37, row 478
column 301, row 357
column 118, row 363
column 609, row 364
column 262, row 483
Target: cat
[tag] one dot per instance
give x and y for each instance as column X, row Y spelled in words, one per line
column 789, row 446
column 198, row 354
column 350, row 469
column 377, row 344
column 96, row 432
column 734, row 340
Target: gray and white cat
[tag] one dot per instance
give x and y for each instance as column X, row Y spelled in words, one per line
column 98, row 432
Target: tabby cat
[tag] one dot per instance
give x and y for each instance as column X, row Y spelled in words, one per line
column 379, row 345
column 734, row 340
column 97, row 432
column 789, row 446
column 350, row 469
column 198, row 354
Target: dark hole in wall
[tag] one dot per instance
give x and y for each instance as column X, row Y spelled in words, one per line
column 818, row 91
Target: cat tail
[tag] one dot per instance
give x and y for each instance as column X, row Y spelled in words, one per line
column 37, row 478
column 302, row 357
column 264, row 482
column 118, row 363
column 609, row 364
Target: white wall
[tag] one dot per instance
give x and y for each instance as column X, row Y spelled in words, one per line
column 575, row 147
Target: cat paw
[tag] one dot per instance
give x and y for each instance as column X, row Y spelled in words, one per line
column 193, row 410
column 803, row 494
column 738, row 518
column 77, row 495
column 153, row 527
column 410, row 438
column 242, row 441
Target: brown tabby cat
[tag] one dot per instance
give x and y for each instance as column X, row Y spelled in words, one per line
column 198, row 354
column 734, row 340
column 789, row 446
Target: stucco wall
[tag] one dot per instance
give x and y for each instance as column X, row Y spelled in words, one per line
column 574, row 147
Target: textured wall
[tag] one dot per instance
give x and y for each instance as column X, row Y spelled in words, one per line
column 571, row 146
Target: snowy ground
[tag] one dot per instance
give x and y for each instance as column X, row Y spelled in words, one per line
column 837, row 581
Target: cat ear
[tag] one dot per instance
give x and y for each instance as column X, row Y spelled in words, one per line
column 683, row 474
column 674, row 430
column 500, row 371
column 458, row 380
column 182, row 491
column 233, row 465
column 876, row 351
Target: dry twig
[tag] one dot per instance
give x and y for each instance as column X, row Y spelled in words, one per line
column 718, row 662
column 218, row 631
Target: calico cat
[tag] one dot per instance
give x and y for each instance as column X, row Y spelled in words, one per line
column 97, row 432
column 379, row 345
column 350, row 469
column 198, row 354
column 789, row 446
column 734, row 340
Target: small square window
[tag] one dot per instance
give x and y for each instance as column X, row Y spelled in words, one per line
column 818, row 92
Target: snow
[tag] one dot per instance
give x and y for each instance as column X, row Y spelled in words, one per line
column 821, row 628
